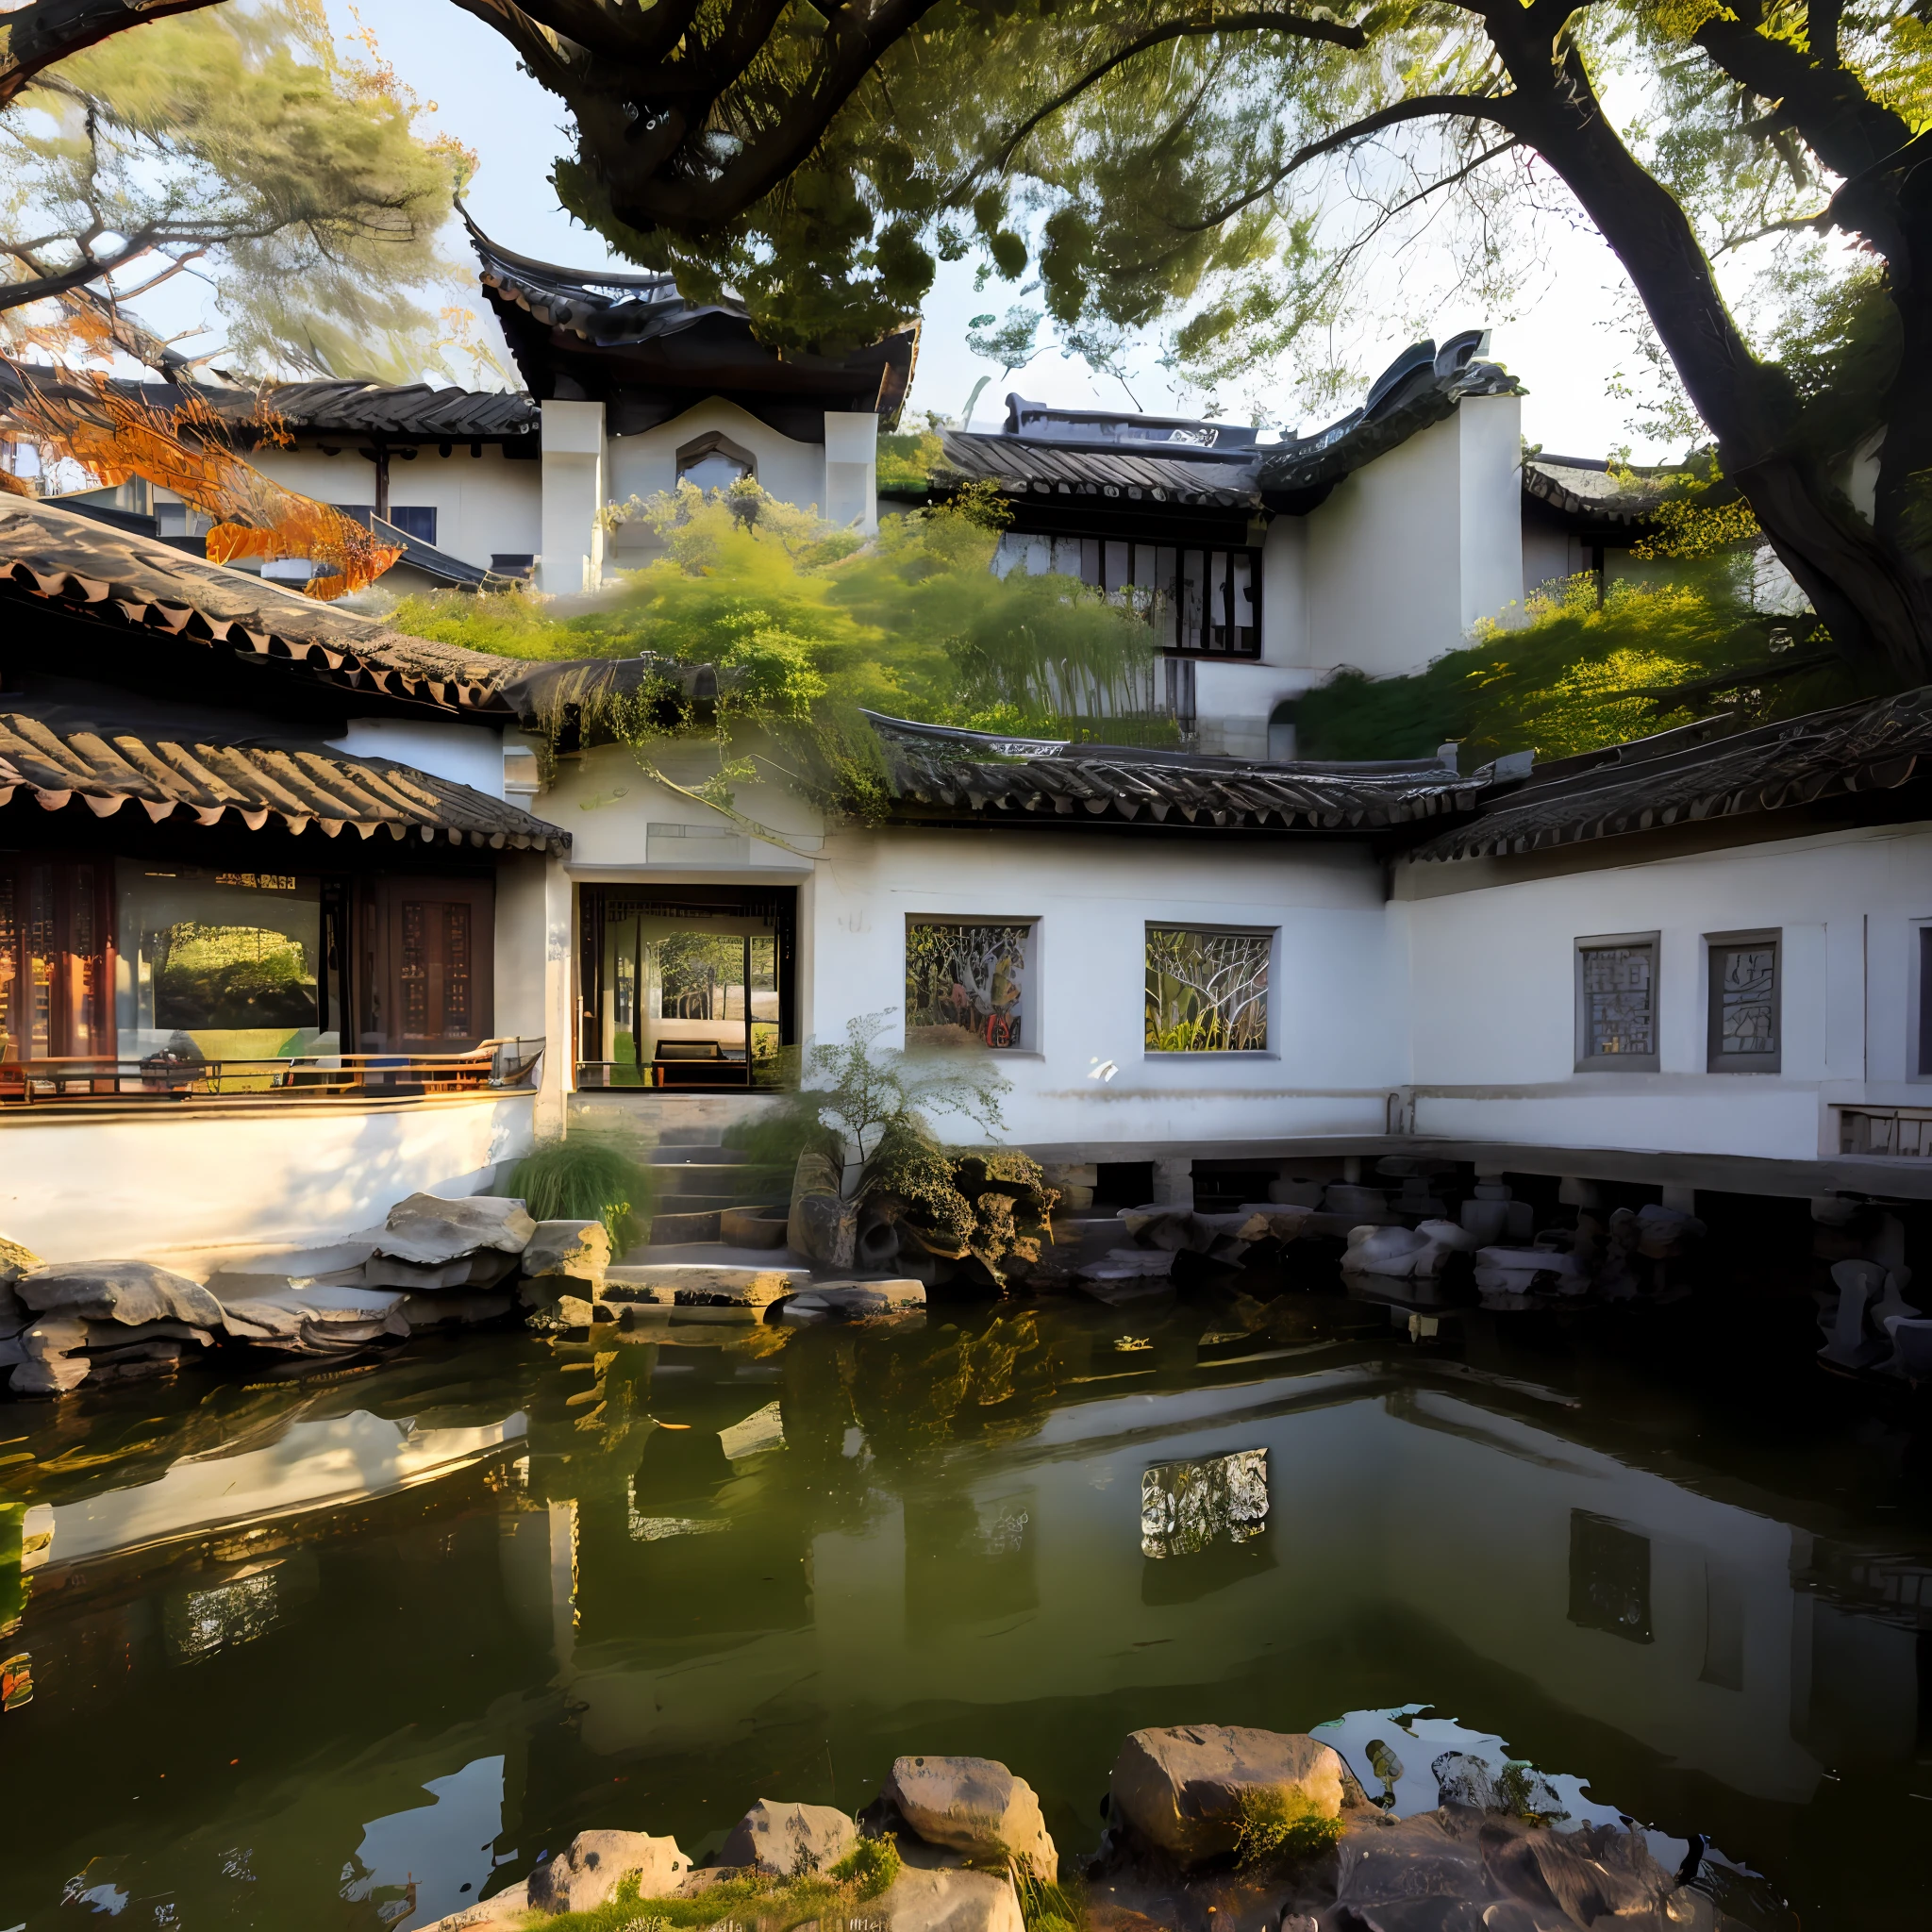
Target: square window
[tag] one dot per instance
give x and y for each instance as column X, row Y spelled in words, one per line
column 1616, row 1003
column 1744, row 996
column 970, row 980
column 1206, row 989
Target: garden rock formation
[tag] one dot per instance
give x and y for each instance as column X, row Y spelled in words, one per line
column 953, row 1843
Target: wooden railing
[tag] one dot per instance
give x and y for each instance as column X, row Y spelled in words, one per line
column 504, row 1063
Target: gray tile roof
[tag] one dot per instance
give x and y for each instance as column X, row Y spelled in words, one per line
column 1681, row 777
column 297, row 788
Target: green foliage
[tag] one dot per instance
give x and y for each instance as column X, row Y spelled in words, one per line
column 1575, row 677
column 1282, row 1825
column 807, row 627
column 869, row 1867
column 771, row 1905
column 582, row 1178
column 1046, row 1906
column 292, row 177
column 773, row 1141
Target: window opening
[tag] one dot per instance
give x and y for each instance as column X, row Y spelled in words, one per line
column 968, row 981
column 1616, row 1002
column 1206, row 989
column 1744, row 998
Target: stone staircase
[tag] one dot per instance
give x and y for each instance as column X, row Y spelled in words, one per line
column 697, row 1179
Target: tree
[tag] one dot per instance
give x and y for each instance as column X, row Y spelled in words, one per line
column 245, row 149
column 1228, row 164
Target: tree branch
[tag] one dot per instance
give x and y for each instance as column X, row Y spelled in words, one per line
column 37, row 35
column 1334, row 32
column 1496, row 108
column 89, row 269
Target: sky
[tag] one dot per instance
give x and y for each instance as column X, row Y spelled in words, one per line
column 1565, row 347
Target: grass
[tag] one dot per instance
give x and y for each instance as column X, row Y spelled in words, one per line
column 1281, row 1825
column 1045, row 1906
column 773, row 1904
column 584, row 1178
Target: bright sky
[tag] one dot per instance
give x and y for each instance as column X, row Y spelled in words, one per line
column 1563, row 348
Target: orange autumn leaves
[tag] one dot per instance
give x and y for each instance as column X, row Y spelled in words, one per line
column 115, row 434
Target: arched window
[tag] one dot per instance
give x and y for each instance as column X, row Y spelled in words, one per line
column 1281, row 739
column 713, row 462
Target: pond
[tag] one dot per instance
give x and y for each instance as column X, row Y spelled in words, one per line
column 350, row 1653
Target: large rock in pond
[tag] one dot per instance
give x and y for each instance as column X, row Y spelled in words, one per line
column 789, row 1839
column 597, row 1862
column 1180, row 1789
column 508, row 1911
column 309, row 1319
column 432, row 1231
column 567, row 1250
column 945, row 1899
column 975, row 1806
column 126, row 1292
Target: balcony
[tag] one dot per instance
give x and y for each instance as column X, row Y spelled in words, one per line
column 164, row 1080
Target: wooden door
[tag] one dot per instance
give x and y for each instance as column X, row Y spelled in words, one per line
column 55, row 980
column 438, row 943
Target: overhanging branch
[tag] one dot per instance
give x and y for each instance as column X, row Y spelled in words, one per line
column 34, row 37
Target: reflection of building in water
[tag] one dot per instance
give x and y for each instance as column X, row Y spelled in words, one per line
column 1667, row 1615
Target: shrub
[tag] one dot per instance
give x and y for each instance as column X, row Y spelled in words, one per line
column 585, row 1178
column 1282, row 1825
column 869, row 1867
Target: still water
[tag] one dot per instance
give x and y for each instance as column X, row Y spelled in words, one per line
column 348, row 1654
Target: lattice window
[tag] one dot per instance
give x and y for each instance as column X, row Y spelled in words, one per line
column 1206, row 989
column 1616, row 998
column 968, row 981
column 1744, row 1006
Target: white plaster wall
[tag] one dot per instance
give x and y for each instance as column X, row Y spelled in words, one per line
column 533, row 960
column 571, row 556
column 1285, row 592
column 1415, row 547
column 1493, row 1001
column 645, row 463
column 468, row 754
column 1549, row 555
column 485, row 506
column 1489, row 503
column 83, row 1188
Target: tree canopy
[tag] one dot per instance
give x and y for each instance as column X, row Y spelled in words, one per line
column 1229, row 171
column 244, row 149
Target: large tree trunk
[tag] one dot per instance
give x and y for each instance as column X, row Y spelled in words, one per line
column 1873, row 598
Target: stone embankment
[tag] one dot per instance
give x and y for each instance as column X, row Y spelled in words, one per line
column 1209, row 1829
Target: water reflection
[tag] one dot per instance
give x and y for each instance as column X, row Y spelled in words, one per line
column 335, row 1655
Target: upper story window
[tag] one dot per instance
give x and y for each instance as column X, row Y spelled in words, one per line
column 969, row 980
column 1745, row 994
column 1207, row 990
column 1205, row 602
column 715, row 462
column 1616, row 1003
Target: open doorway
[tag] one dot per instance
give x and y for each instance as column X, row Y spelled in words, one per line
column 684, row 986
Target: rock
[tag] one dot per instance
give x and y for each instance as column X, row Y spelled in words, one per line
column 975, row 1806
column 821, row 1223
column 944, row 1899
column 441, row 1309
column 1474, row 1783
column 305, row 1319
column 1129, row 1264
column 1180, row 1787
column 508, row 1911
column 702, row 1285
column 1522, row 1271
column 589, row 1872
column 856, row 1298
column 1415, row 1254
column 126, row 1292
column 752, row 1227
column 574, row 1311
column 789, row 1840
column 579, row 1250
column 483, row 1268
column 431, row 1230
column 1413, row 1858
column 15, row 1262
column 1663, row 1232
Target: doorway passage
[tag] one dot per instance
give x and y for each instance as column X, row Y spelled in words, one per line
column 684, row 986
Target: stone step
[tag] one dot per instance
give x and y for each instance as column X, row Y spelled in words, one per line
column 698, row 1286
column 708, row 1154
column 695, row 1177
column 699, row 1226
column 688, row 1137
